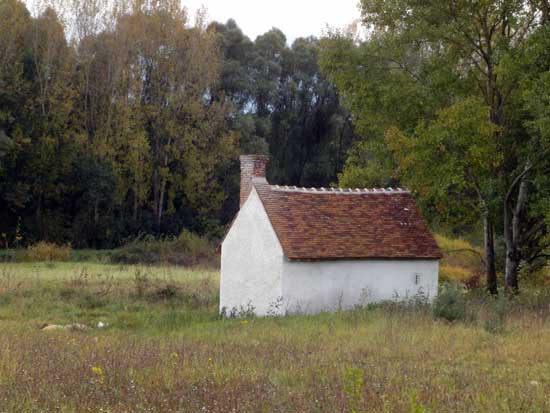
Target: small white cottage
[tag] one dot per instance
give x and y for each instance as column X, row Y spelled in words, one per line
column 309, row 250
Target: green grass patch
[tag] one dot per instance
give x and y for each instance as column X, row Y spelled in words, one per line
column 164, row 348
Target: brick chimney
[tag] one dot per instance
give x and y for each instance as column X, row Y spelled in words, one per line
column 252, row 166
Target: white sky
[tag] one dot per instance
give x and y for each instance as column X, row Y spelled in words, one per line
column 296, row 18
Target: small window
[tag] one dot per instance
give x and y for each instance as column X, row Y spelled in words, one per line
column 416, row 279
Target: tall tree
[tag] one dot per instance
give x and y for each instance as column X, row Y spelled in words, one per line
column 441, row 53
column 123, row 117
column 310, row 130
column 527, row 194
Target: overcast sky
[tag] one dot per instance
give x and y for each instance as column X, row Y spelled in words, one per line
column 296, row 18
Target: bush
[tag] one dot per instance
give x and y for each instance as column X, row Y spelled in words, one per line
column 462, row 261
column 9, row 255
column 533, row 298
column 194, row 245
column 460, row 253
column 188, row 249
column 451, row 303
column 453, row 274
column 45, row 251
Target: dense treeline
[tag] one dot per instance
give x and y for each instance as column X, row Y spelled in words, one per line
column 453, row 100
column 129, row 120
column 123, row 118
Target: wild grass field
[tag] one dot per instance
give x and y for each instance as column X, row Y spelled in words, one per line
column 165, row 349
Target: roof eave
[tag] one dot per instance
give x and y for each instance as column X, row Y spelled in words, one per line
column 310, row 259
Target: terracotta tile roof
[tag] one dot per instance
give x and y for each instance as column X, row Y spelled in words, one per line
column 316, row 224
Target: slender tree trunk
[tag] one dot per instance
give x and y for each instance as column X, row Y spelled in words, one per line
column 161, row 203
column 159, row 188
column 156, row 190
column 512, row 267
column 490, row 268
column 512, row 228
column 96, row 213
column 135, row 212
column 489, row 247
column 545, row 7
column 494, row 100
column 38, row 215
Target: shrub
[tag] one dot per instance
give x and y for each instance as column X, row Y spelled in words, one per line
column 459, row 253
column 9, row 255
column 141, row 282
column 165, row 292
column 188, row 249
column 45, row 251
column 534, row 298
column 354, row 385
column 450, row 274
column 195, row 246
column 534, row 275
column 451, row 303
column 415, row 405
column 498, row 311
column 9, row 282
column 462, row 261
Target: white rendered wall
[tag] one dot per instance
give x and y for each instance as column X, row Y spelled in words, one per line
column 311, row 287
column 251, row 262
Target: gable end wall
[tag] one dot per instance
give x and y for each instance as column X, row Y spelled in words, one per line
column 251, row 262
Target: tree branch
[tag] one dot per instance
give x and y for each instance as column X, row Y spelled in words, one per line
column 526, row 169
column 467, row 250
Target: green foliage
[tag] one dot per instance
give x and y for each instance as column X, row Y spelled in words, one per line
column 354, row 386
column 136, row 125
column 462, row 262
column 452, row 101
column 450, row 162
column 451, row 303
column 499, row 308
column 141, row 281
column 5, row 145
column 188, row 249
column 310, row 131
column 535, row 99
column 195, row 245
column 107, row 140
column 369, row 164
column 415, row 405
column 285, row 105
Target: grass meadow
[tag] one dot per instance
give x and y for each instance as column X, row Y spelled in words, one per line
column 165, row 349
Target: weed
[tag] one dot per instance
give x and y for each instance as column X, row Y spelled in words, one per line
column 5, row 298
column 9, row 282
column 498, row 311
column 166, row 292
column 243, row 311
column 45, row 251
column 169, row 351
column 187, row 249
column 141, row 282
column 415, row 406
column 451, row 303
column 91, row 301
column 353, row 387
column 275, row 307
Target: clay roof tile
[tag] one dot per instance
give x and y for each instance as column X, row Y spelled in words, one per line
column 317, row 224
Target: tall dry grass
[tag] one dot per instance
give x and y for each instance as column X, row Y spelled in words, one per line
column 461, row 260
column 165, row 349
